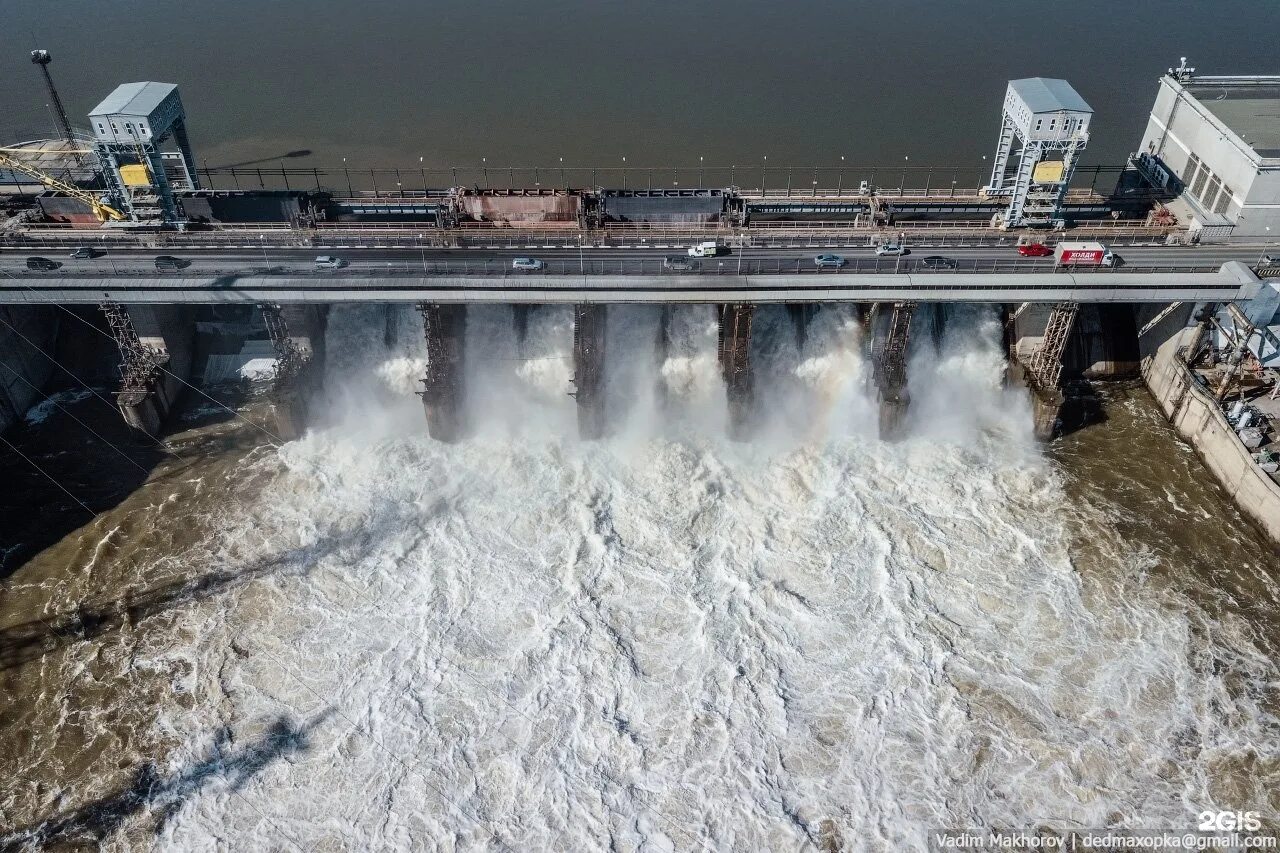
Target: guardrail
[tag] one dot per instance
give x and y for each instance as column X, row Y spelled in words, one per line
column 253, row 238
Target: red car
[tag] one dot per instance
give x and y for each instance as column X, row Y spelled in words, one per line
column 1034, row 250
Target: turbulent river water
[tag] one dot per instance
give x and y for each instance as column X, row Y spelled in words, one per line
column 367, row 640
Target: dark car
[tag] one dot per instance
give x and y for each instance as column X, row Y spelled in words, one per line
column 679, row 263
column 42, row 264
column 938, row 262
column 85, row 253
column 169, row 262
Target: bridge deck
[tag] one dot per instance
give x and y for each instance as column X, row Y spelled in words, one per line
column 1232, row 281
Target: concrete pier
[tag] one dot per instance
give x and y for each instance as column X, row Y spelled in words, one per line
column 589, row 321
column 890, row 333
column 661, row 349
column 801, row 314
column 735, row 365
column 156, row 345
column 297, row 333
column 443, row 394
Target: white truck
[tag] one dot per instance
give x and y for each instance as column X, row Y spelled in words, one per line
column 1083, row 255
column 709, row 249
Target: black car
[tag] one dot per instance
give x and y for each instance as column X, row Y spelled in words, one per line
column 679, row 263
column 938, row 262
column 84, row 253
column 42, row 264
column 169, row 262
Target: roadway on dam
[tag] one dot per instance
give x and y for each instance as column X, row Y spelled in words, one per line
column 289, row 274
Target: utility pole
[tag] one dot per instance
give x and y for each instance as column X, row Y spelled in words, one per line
column 43, row 58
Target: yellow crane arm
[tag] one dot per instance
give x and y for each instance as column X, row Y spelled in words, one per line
column 100, row 210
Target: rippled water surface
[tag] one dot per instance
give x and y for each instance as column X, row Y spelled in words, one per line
column 664, row 641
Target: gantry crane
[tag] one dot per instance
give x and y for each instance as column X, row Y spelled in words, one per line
column 100, row 210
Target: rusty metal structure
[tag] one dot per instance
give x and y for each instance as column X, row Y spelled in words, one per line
column 734, row 351
column 139, row 364
column 889, row 351
column 442, row 392
column 289, row 359
column 588, row 368
column 1046, row 362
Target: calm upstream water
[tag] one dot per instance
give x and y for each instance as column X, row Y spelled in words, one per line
column 660, row 82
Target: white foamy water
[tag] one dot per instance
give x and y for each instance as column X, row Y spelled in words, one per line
column 669, row 641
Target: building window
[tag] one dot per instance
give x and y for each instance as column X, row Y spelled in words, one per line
column 1197, row 188
column 1211, row 192
column 1053, row 124
column 1039, row 122
column 1223, row 200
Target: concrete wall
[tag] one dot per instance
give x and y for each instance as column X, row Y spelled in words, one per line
column 1196, row 417
column 171, row 329
column 23, row 368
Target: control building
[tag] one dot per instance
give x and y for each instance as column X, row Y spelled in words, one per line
column 129, row 129
column 1045, row 125
column 1215, row 143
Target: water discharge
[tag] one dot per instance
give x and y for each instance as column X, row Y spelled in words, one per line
column 670, row 641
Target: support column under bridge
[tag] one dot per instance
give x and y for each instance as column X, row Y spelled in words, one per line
column 443, row 393
column 297, row 335
column 155, row 343
column 589, row 323
column 735, row 365
column 1038, row 363
column 890, row 333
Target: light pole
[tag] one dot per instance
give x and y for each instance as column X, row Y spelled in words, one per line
column 700, row 162
column 624, row 173
column 350, row 192
column 423, row 250
column 563, row 179
column 262, row 241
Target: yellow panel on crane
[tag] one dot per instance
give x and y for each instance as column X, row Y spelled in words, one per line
column 135, row 175
column 1048, row 172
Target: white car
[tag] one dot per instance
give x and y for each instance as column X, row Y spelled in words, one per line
column 329, row 262
column 527, row 264
column 892, row 249
column 1270, row 260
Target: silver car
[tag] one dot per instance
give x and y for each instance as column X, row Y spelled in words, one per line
column 527, row 264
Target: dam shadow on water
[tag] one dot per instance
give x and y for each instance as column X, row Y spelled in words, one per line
column 226, row 766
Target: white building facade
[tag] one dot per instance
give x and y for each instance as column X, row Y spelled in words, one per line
column 1217, row 139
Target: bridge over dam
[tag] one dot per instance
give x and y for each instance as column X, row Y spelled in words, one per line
column 152, row 314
